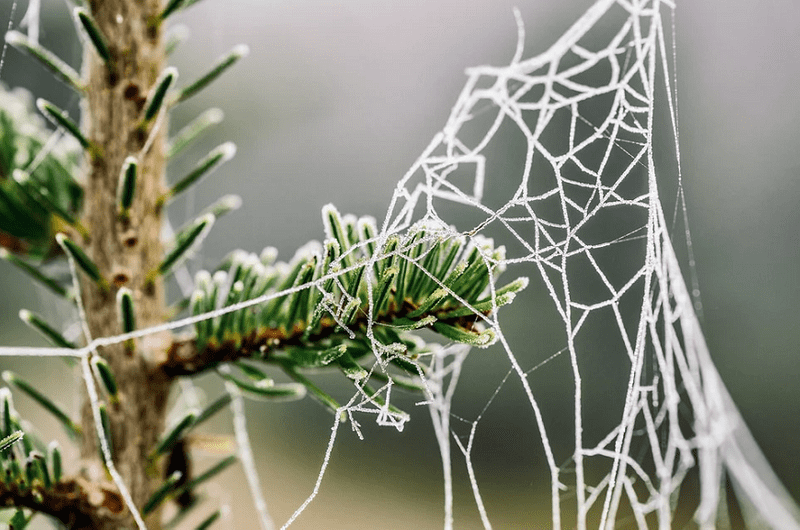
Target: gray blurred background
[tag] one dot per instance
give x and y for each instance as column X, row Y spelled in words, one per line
column 334, row 103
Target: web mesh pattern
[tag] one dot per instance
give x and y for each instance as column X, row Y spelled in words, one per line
column 585, row 198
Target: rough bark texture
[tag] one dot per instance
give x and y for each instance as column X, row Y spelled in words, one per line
column 126, row 249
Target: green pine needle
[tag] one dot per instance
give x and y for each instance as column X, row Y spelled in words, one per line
column 351, row 368
column 82, row 261
column 175, row 433
column 223, row 64
column 60, row 119
column 40, row 195
column 106, row 376
column 430, row 302
column 208, row 521
column 105, row 422
column 366, row 234
column 406, row 324
column 484, row 306
column 171, row 7
column 205, row 167
column 155, row 99
column 70, row 426
column 255, row 374
column 266, row 392
column 48, row 60
column 186, row 241
column 160, row 494
column 54, row 453
column 126, row 188
column 127, row 312
column 382, row 292
column 334, row 229
column 457, row 334
column 32, row 470
column 212, row 408
column 8, row 412
column 194, row 130
column 43, row 472
column 45, row 329
column 10, row 440
column 37, row 275
column 317, row 393
column 349, row 311
column 208, row 474
column 331, row 354
column 96, row 37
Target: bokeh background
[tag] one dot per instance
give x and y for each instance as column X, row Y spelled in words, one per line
column 334, row 103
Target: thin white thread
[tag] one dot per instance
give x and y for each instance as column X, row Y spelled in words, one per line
column 94, row 399
column 31, row 20
column 246, row 456
column 26, row 351
column 8, row 28
column 325, row 461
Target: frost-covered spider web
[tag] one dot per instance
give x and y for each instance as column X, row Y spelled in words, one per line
column 584, row 219
column 585, row 197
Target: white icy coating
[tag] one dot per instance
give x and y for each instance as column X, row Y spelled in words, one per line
column 585, row 194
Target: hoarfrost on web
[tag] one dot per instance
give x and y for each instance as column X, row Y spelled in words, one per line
column 587, row 196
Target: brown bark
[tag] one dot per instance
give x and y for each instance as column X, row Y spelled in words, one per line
column 126, row 249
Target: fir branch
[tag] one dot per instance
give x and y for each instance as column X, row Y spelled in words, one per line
column 449, row 298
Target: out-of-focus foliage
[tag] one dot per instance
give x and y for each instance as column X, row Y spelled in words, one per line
column 38, row 192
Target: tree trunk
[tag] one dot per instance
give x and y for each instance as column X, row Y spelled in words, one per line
column 126, row 249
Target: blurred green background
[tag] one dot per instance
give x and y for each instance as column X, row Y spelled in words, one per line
column 334, row 103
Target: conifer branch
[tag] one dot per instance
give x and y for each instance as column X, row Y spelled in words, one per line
column 449, row 296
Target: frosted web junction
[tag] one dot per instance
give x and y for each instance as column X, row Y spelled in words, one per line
column 586, row 187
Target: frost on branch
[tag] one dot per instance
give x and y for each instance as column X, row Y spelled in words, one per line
column 354, row 298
